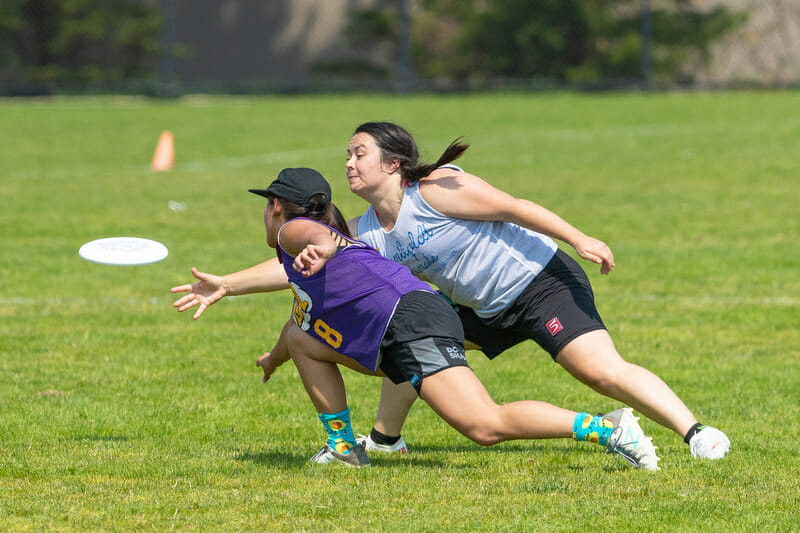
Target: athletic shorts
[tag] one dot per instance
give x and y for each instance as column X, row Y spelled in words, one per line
column 424, row 337
column 556, row 308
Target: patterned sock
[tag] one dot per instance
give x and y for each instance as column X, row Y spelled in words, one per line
column 379, row 438
column 340, row 431
column 694, row 430
column 592, row 428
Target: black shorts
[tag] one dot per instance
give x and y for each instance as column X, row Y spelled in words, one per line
column 556, row 308
column 424, row 337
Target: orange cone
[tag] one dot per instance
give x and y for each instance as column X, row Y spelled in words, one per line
column 164, row 156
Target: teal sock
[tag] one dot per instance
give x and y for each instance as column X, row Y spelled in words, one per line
column 592, row 429
column 340, row 431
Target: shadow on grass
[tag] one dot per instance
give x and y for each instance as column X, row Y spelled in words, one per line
column 100, row 438
column 430, row 456
column 290, row 459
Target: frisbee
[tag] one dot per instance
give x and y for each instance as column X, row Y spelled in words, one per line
column 123, row 251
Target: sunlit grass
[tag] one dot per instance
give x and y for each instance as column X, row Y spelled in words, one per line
column 118, row 413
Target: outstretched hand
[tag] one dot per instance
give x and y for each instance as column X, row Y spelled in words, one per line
column 597, row 252
column 208, row 290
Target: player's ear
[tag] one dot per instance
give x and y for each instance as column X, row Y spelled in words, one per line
column 391, row 166
column 277, row 207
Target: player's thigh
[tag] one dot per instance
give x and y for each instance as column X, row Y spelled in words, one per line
column 592, row 357
column 301, row 344
column 457, row 395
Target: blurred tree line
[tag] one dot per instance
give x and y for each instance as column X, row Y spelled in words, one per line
column 79, row 42
column 564, row 40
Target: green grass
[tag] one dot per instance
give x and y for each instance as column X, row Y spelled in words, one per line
column 117, row 413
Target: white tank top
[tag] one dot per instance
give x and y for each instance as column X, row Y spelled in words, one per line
column 483, row 265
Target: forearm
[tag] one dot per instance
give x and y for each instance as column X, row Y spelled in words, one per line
column 270, row 361
column 280, row 352
column 265, row 277
column 542, row 220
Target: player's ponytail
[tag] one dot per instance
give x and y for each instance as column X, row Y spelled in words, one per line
column 397, row 145
column 453, row 152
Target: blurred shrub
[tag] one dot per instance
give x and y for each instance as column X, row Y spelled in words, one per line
column 563, row 40
column 77, row 41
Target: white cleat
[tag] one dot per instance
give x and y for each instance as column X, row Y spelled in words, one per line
column 371, row 445
column 709, row 443
column 629, row 441
column 357, row 456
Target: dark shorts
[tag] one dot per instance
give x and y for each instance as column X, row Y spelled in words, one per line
column 556, row 308
column 424, row 337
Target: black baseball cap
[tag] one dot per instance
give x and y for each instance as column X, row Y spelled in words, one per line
column 297, row 185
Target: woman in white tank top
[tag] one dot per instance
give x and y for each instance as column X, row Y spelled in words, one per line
column 482, row 247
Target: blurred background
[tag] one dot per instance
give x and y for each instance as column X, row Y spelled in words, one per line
column 171, row 47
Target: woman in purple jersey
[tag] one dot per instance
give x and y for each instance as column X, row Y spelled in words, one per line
column 353, row 307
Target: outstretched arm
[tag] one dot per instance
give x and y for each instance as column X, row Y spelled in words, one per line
column 462, row 195
column 265, row 277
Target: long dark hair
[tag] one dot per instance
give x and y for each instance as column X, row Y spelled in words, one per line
column 320, row 209
column 397, row 144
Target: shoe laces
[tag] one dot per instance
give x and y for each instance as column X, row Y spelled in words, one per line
column 615, row 447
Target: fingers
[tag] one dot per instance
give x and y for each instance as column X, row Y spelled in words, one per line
column 305, row 260
column 304, row 268
column 301, row 264
column 188, row 305
column 607, row 265
column 199, row 312
column 181, row 303
column 608, row 260
column 599, row 253
column 205, row 277
column 187, row 287
column 262, row 362
column 311, row 252
column 181, row 288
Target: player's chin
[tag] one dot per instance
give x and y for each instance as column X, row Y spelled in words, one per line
column 355, row 185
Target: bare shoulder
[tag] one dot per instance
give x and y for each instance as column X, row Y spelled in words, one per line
column 297, row 233
column 461, row 194
column 450, row 179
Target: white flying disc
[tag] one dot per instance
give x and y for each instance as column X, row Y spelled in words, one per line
column 123, row 251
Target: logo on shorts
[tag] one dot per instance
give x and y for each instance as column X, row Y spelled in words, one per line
column 414, row 380
column 554, row 326
column 456, row 353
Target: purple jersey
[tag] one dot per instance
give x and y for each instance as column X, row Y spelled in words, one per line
column 349, row 303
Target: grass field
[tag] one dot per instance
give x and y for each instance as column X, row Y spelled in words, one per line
column 117, row 413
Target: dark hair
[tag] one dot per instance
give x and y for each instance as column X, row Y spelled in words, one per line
column 397, row 144
column 320, row 209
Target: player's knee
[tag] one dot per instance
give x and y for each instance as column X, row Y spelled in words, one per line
column 604, row 378
column 483, row 434
column 487, row 439
column 612, row 377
